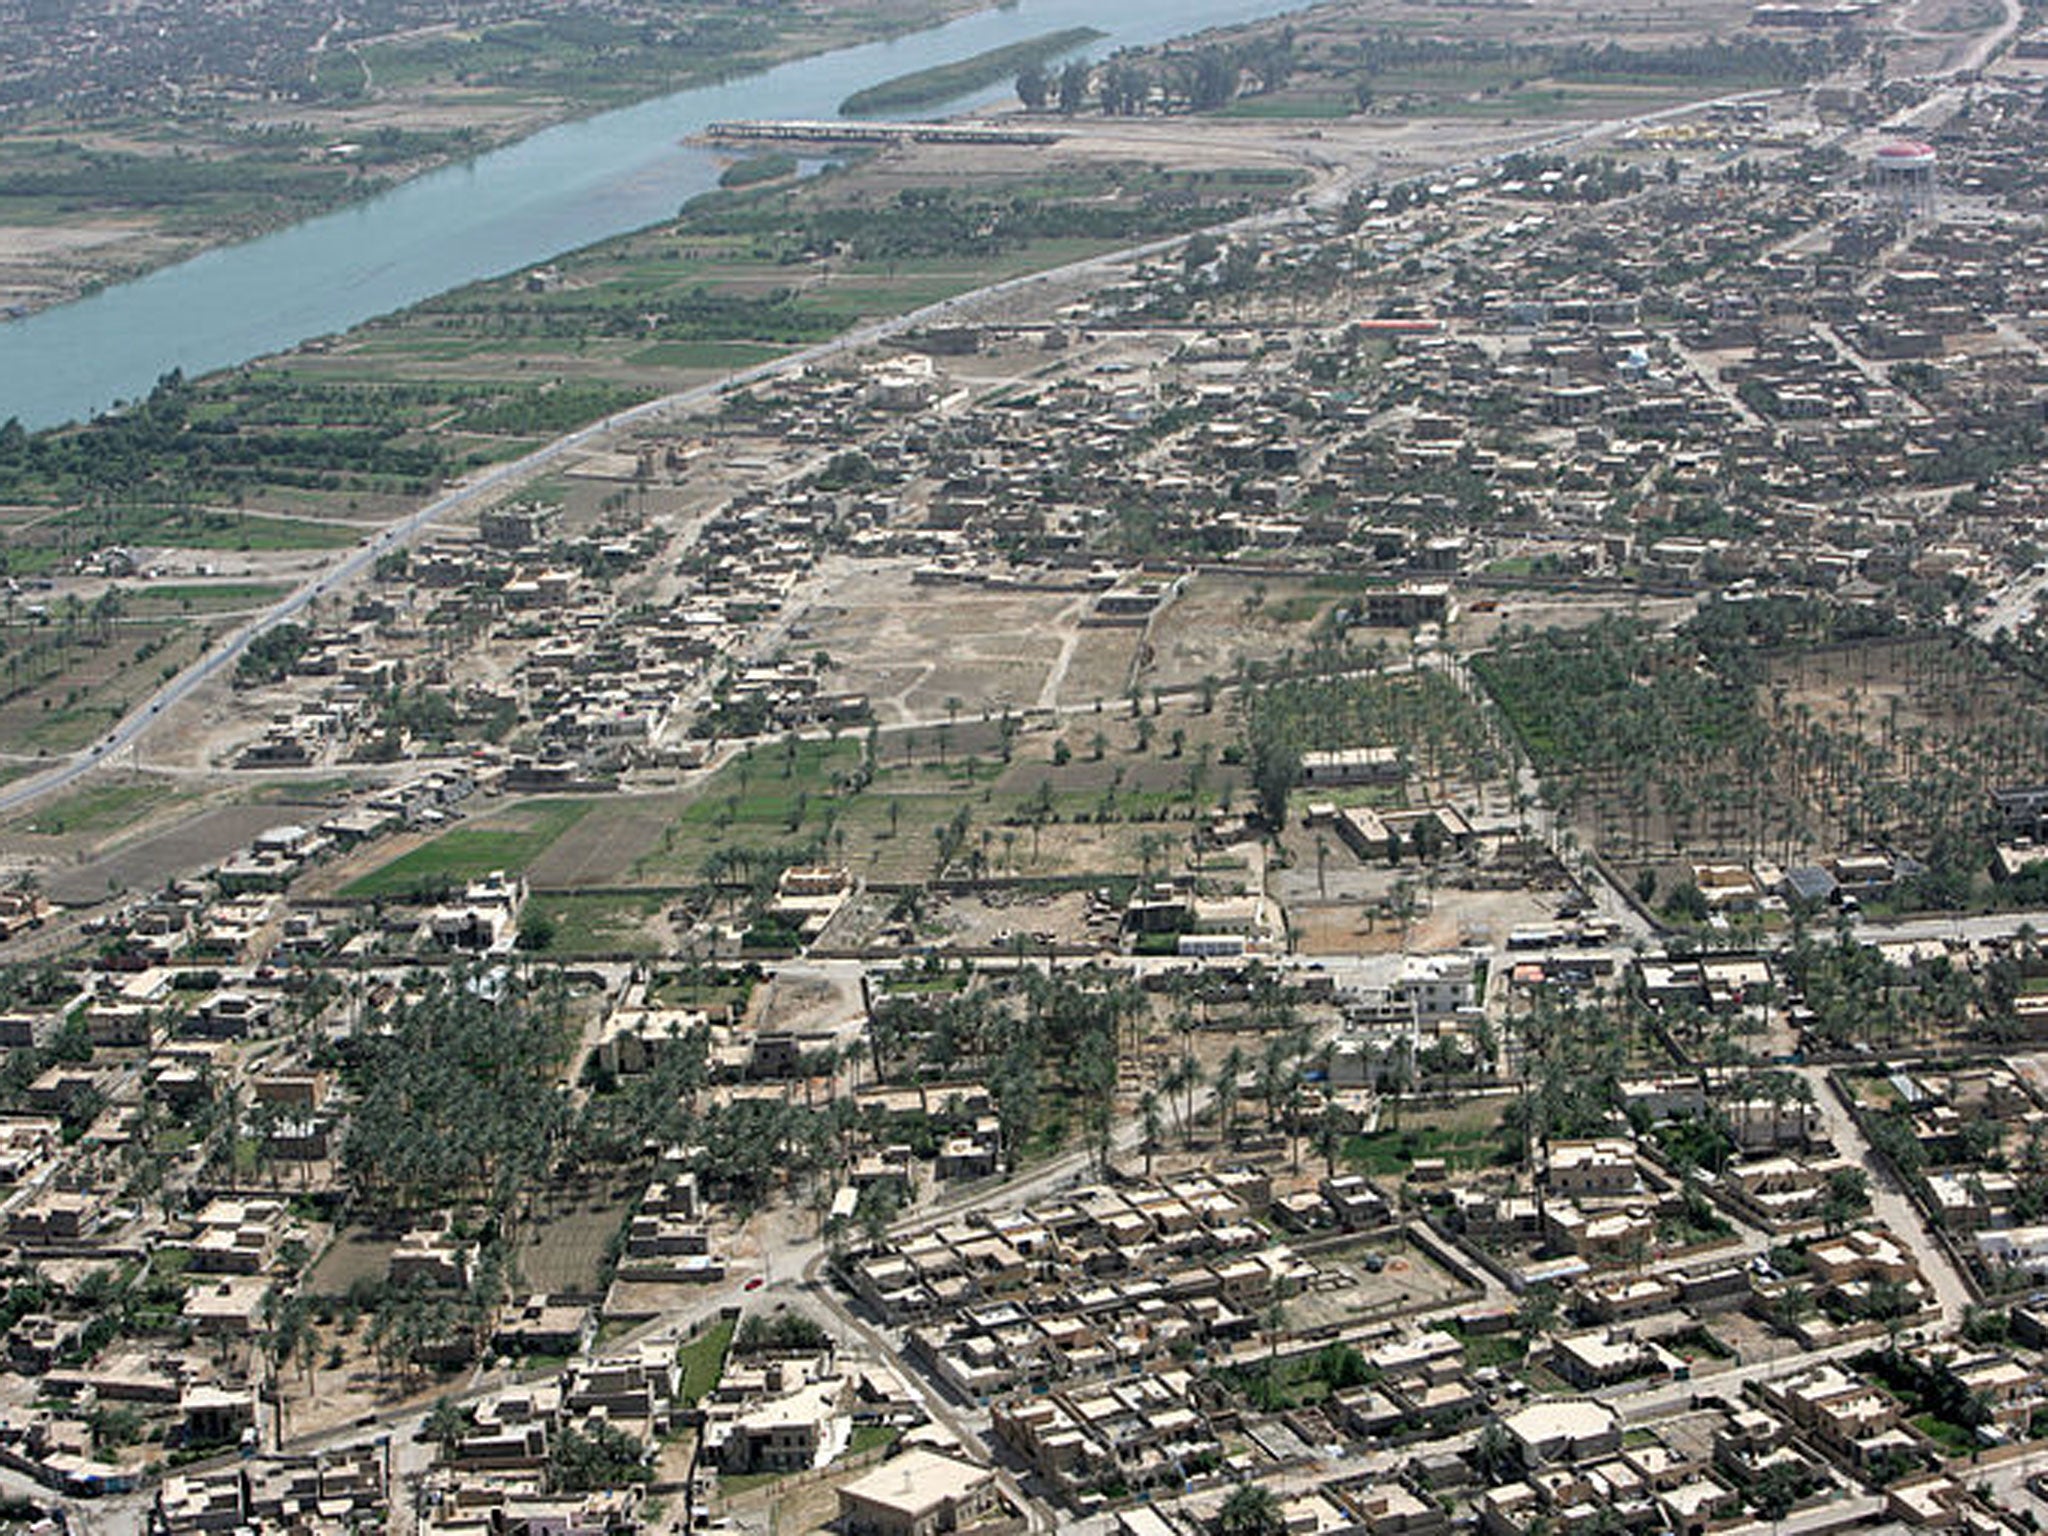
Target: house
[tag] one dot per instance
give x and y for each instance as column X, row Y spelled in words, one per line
column 1605, row 1358
column 793, row 1431
column 1564, row 1429
column 919, row 1493
column 1601, row 1167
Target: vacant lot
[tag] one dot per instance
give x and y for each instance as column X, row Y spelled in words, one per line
column 357, row 1255
column 563, row 1248
column 1405, row 1279
column 148, row 863
column 918, row 651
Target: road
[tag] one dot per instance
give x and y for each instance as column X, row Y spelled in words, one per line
column 798, row 1280
column 2011, row 607
column 1335, row 186
column 1889, row 1203
column 506, row 477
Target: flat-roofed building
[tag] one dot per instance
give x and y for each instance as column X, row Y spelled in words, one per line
column 920, row 1493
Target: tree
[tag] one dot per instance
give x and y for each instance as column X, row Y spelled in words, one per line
column 1212, row 81
column 1537, row 1311
column 1495, row 1457
column 1229, row 1083
column 447, row 1424
column 1275, row 764
column 1847, row 1197
column 603, row 1456
column 1073, row 90
column 1250, row 1510
column 1034, row 87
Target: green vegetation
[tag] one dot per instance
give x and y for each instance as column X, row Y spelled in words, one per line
column 1939, row 1405
column 457, row 1095
column 1276, row 1386
column 1426, row 715
column 189, row 527
column 101, row 808
column 592, row 925
column 943, row 82
column 757, row 169
column 1391, row 1153
column 779, row 1333
column 872, row 1437
column 1503, row 1350
column 703, row 1361
column 466, row 852
column 596, row 1457
column 1752, row 733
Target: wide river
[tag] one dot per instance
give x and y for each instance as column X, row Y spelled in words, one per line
column 560, row 189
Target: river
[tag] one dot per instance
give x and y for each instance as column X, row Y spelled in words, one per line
column 562, row 188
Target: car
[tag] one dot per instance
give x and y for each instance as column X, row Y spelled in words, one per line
column 754, row 1283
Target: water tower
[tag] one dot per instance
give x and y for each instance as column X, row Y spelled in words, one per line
column 1902, row 177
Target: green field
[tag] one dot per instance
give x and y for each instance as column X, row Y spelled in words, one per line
column 1468, row 1137
column 703, row 1360
column 597, row 925
column 511, row 842
column 103, row 808
column 203, row 528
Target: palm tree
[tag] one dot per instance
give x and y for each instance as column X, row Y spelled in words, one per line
column 1229, row 1079
column 1250, row 1511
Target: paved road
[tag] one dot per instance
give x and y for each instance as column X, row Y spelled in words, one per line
column 2011, row 607
column 1889, row 1203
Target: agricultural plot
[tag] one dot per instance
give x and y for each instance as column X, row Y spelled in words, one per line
column 562, row 1249
column 147, row 863
column 1789, row 742
column 509, row 840
column 1096, row 794
column 72, row 682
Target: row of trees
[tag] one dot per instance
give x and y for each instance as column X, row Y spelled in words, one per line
column 1209, row 78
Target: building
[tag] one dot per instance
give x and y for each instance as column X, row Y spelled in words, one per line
column 920, row 1493
column 1352, row 765
column 1564, row 1429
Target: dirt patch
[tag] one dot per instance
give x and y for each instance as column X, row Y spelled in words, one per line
column 152, row 861
column 356, row 1255
column 912, row 648
column 796, row 999
column 1219, row 621
column 1482, row 616
column 563, row 1248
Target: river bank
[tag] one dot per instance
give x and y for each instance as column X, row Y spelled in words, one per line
column 515, row 208
column 91, row 201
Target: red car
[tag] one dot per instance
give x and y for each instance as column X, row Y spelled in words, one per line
column 754, row 1283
